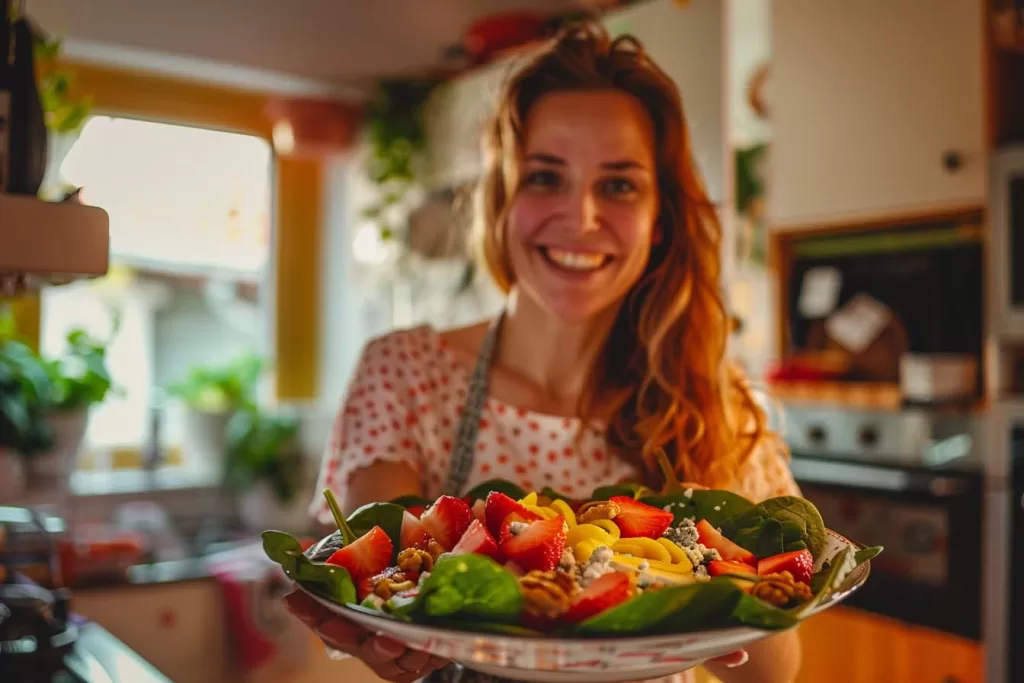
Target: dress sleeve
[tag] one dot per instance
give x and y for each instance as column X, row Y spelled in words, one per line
column 376, row 422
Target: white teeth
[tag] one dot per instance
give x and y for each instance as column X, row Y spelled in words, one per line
column 576, row 260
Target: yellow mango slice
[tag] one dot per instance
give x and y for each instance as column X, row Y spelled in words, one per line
column 609, row 526
column 543, row 513
column 562, row 508
column 584, row 549
column 587, row 532
column 674, row 551
column 529, row 499
column 653, row 565
column 643, row 547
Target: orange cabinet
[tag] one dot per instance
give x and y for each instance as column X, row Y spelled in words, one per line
column 847, row 646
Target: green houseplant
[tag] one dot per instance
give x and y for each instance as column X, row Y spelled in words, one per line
column 212, row 394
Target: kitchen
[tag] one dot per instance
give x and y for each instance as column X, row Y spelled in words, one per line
column 922, row 128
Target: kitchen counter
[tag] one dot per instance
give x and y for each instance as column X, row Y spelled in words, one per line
column 105, row 659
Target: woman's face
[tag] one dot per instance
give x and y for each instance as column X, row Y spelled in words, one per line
column 581, row 224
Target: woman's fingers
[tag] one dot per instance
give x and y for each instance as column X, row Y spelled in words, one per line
column 733, row 659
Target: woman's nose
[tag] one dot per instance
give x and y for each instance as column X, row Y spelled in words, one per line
column 584, row 212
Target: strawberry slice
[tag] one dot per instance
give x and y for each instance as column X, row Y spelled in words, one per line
column 721, row 567
column 603, row 593
column 498, row 507
column 414, row 534
column 799, row 563
column 364, row 558
column 537, row 547
column 712, row 538
column 446, row 520
column 636, row 519
column 477, row 539
column 416, row 510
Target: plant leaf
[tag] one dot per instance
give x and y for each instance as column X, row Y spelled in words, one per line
column 508, row 488
column 865, row 554
column 825, row 582
column 628, row 489
column 714, row 506
column 468, row 586
column 796, row 515
column 412, row 501
column 327, row 580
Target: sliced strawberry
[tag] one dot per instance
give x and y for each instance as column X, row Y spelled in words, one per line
column 416, row 510
column 446, row 520
column 712, row 538
column 480, row 510
column 477, row 539
column 720, row 567
column 414, row 534
column 605, row 592
column 364, row 558
column 799, row 563
column 537, row 547
column 498, row 507
column 636, row 519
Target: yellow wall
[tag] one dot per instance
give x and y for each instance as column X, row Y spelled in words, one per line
column 298, row 201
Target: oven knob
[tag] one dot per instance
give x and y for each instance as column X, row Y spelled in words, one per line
column 868, row 436
column 816, row 434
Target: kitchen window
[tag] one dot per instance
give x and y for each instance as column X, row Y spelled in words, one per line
column 191, row 249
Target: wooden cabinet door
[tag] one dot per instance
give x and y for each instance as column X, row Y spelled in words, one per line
column 867, row 100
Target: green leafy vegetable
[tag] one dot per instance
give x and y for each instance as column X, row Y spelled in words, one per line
column 468, row 586
column 715, row 506
column 865, row 554
column 828, row 580
column 551, row 494
column 327, row 580
column 412, row 501
column 798, row 523
column 508, row 488
column 347, row 535
column 631, row 490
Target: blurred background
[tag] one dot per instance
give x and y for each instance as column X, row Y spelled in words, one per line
column 286, row 180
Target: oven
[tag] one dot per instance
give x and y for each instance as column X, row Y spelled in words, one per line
column 1007, row 241
column 910, row 481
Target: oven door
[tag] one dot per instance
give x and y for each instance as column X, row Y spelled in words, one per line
column 1006, row 279
column 930, row 524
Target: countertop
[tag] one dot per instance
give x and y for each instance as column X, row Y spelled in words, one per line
column 116, row 662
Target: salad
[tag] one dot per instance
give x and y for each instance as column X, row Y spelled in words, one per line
column 626, row 561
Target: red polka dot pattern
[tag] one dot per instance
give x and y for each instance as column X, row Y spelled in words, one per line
column 403, row 406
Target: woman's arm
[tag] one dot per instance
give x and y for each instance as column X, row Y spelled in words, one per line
column 772, row 660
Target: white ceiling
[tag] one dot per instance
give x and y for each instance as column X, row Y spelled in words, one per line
column 298, row 46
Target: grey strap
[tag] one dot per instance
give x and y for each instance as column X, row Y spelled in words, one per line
column 472, row 411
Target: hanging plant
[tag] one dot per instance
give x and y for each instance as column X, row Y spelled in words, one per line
column 397, row 136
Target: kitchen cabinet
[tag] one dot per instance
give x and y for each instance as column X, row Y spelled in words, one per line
column 843, row 645
column 876, row 108
column 178, row 628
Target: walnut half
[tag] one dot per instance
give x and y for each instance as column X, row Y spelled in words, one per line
column 386, row 585
column 781, row 590
column 415, row 560
column 547, row 594
column 596, row 510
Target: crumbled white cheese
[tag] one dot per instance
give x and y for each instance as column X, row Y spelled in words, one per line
column 516, row 528
column 597, row 565
column 688, row 493
column 568, row 560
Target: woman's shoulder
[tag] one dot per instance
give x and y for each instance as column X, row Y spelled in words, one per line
column 421, row 339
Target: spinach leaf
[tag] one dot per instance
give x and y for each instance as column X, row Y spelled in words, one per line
column 412, row 501
column 827, row 581
column 821, row 576
column 645, row 613
column 501, row 485
column 326, row 580
column 865, row 554
column 468, row 586
column 752, row 612
column 714, row 506
column 764, row 539
column 628, row 489
column 552, row 494
column 388, row 516
column 325, row 547
column 801, row 525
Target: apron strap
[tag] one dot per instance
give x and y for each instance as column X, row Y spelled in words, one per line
column 472, row 410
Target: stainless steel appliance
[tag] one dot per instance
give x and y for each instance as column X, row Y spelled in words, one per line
column 1007, row 241
column 912, row 481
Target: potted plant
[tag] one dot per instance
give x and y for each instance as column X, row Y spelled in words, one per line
column 265, row 465
column 212, row 395
column 79, row 379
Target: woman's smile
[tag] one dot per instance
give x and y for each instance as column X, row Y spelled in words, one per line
column 574, row 261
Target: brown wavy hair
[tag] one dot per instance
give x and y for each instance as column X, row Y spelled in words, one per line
column 662, row 380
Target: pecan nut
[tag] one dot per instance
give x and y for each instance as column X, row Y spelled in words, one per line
column 781, row 590
column 387, row 584
column 415, row 560
column 598, row 509
column 547, row 594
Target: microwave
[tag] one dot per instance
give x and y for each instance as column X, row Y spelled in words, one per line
column 1007, row 248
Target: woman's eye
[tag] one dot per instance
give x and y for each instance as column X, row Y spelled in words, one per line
column 544, row 179
column 618, row 187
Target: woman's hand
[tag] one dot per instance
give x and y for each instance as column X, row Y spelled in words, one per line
column 388, row 659
column 733, row 659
